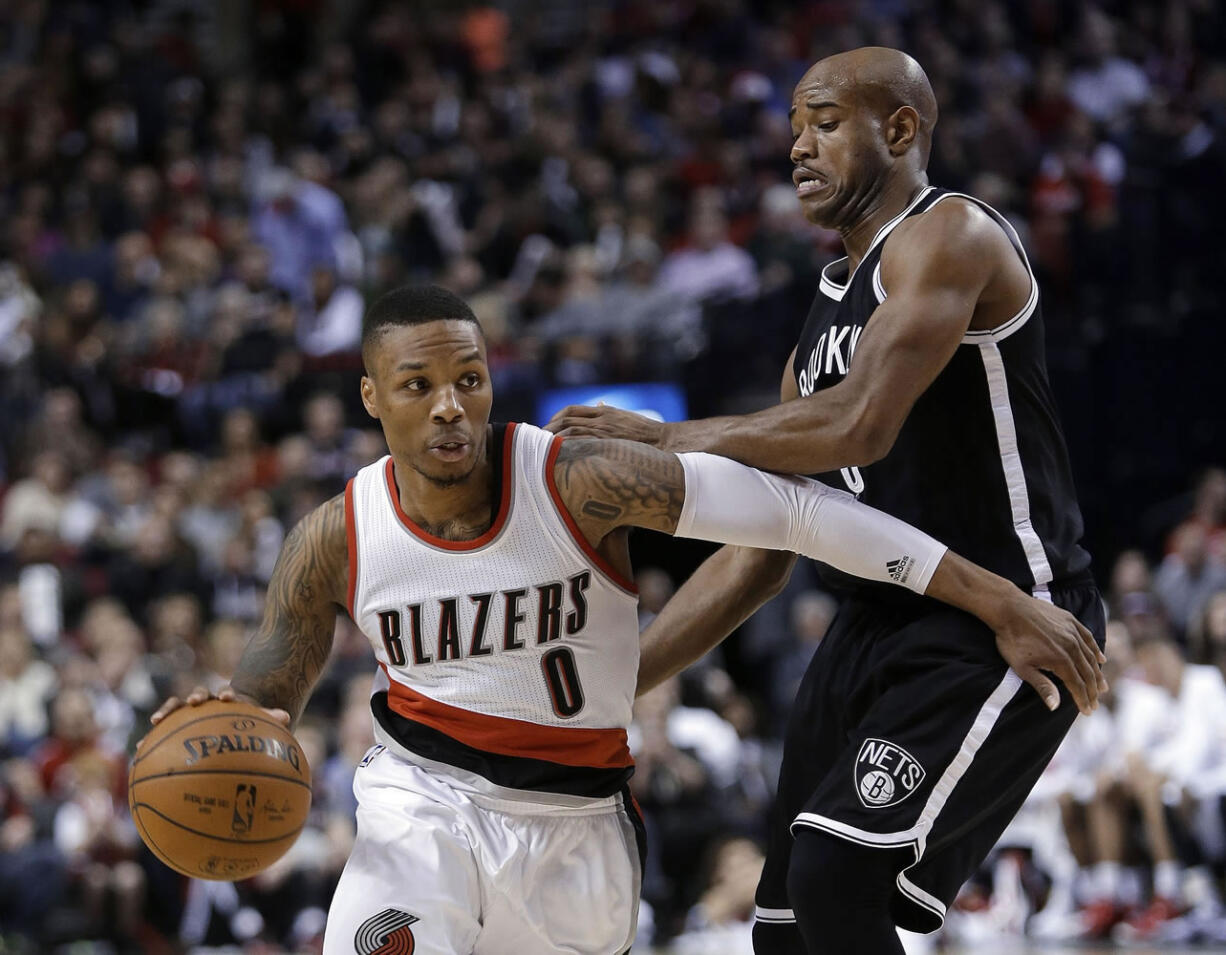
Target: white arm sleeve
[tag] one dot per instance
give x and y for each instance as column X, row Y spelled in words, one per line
column 730, row 503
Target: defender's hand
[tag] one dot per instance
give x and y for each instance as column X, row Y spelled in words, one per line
column 200, row 694
column 1035, row 636
column 605, row 421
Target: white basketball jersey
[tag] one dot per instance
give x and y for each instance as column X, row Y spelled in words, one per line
column 513, row 656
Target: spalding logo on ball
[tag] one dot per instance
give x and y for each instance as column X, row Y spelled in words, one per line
column 219, row 790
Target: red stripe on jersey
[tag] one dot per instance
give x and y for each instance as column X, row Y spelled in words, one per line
column 351, row 541
column 504, row 505
column 570, row 746
column 564, row 512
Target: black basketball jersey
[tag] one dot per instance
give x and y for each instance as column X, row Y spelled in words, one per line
column 981, row 462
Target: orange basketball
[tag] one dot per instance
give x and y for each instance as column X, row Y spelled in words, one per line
column 219, row 790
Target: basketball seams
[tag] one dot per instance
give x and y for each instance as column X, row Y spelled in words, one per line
column 208, row 835
column 180, row 773
column 143, row 752
column 147, row 836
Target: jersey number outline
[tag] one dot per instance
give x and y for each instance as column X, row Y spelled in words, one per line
column 562, row 679
column 853, row 479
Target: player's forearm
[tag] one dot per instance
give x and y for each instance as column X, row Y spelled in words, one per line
column 717, row 598
column 280, row 666
column 283, row 660
column 797, row 437
column 729, row 503
column 981, row 593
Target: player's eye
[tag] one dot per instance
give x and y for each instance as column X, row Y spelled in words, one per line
column 828, row 126
column 471, row 380
column 416, row 384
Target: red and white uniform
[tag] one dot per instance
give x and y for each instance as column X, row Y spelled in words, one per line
column 507, row 670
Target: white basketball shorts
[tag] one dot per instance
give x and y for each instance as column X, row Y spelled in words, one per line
column 440, row 871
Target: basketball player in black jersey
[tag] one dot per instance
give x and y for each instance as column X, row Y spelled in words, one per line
column 919, row 383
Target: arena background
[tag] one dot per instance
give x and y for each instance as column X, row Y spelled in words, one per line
column 198, row 199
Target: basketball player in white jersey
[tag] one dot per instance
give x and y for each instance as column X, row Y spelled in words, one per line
column 488, row 567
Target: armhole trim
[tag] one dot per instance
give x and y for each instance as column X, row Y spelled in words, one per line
column 351, row 541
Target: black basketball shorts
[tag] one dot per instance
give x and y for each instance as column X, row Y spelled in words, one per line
column 909, row 730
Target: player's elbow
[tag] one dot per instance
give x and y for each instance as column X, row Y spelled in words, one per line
column 872, row 438
column 770, row 571
column 874, row 445
column 759, row 575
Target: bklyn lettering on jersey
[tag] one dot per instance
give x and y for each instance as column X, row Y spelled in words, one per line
column 831, row 356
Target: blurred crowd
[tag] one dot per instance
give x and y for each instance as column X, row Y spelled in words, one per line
column 197, row 202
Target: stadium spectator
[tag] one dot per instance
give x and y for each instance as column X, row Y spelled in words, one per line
column 1188, row 576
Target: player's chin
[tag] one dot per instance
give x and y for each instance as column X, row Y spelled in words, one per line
column 815, row 211
column 446, row 473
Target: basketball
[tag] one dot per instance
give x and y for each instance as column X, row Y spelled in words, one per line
column 219, row 790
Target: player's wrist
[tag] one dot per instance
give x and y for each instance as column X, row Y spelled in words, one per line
column 1001, row 603
column 977, row 591
column 684, row 436
column 666, row 438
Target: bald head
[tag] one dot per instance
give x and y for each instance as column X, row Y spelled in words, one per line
column 880, row 79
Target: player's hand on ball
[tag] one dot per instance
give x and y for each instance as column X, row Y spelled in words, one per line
column 605, row 421
column 1037, row 638
column 200, row 694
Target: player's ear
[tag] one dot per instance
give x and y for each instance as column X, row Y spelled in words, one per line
column 901, row 130
column 368, row 396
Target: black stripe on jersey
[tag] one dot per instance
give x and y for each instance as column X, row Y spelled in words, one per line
column 640, row 827
column 513, row 772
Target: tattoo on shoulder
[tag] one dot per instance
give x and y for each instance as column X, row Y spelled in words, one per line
column 286, row 655
column 602, row 510
column 612, row 481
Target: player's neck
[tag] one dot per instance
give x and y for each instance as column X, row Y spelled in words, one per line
column 459, row 511
column 897, row 193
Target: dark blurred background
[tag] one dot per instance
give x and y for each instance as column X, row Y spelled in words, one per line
column 198, row 200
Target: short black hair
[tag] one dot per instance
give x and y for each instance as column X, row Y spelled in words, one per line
column 413, row 305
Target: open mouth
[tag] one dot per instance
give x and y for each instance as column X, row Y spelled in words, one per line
column 808, row 182
column 453, row 450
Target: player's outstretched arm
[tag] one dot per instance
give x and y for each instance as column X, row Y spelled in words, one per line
column 937, row 269
column 610, row 484
column 287, row 654
column 716, row 599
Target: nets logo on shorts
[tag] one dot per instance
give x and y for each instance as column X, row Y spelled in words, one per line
column 885, row 774
column 387, row 933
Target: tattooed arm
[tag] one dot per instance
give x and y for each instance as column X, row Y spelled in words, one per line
column 289, row 651
column 608, row 484
column 283, row 660
column 611, row 484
